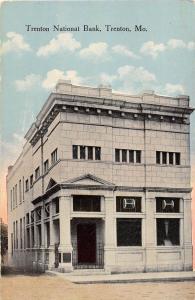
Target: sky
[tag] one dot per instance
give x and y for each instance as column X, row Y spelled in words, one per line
column 161, row 57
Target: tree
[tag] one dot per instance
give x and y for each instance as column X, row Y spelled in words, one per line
column 3, row 239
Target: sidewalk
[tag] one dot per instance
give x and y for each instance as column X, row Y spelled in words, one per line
column 127, row 278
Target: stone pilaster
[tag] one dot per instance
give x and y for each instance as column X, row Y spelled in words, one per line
column 150, row 235
column 52, row 238
column 65, row 247
column 187, row 235
column 110, row 233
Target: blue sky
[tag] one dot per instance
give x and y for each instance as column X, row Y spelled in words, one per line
column 161, row 58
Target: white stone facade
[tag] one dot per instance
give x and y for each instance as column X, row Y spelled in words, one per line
column 134, row 173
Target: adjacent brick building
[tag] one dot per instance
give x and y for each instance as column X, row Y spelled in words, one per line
column 103, row 181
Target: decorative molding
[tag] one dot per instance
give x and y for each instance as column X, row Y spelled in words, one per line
column 120, row 109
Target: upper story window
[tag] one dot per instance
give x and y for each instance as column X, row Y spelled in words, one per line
column 168, row 158
column 27, row 185
column 54, row 156
column 11, row 200
column 20, row 191
column 37, row 173
column 27, row 219
column 86, row 152
column 167, row 205
column 86, row 203
column 31, row 180
column 56, row 207
column 16, row 194
column 46, row 166
column 127, row 156
column 128, row 204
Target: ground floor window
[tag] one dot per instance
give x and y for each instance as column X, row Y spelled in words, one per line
column 168, row 232
column 86, row 203
column 129, row 232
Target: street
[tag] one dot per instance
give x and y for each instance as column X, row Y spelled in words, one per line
column 46, row 287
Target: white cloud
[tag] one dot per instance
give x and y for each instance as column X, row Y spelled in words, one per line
column 135, row 74
column 131, row 79
column 107, row 79
column 152, row 49
column 15, row 43
column 95, row 51
column 123, row 50
column 191, row 45
column 63, row 41
column 27, row 83
column 54, row 75
column 174, row 43
column 173, row 89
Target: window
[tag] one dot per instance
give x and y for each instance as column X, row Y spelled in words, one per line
column 21, row 243
column 20, row 191
column 97, row 153
column 129, row 232
column 124, row 155
column 23, row 188
column 38, row 214
column 86, row 203
column 37, row 173
column 13, row 193
column 177, row 158
column 168, row 232
column 47, row 210
column 11, row 200
column 138, row 156
column 31, row 180
column 24, row 240
column 128, row 204
column 27, row 185
column 28, row 237
column 127, row 156
column 164, row 158
column 117, row 155
column 75, row 151
column 158, row 157
column 90, row 152
column 82, row 152
column 54, row 156
column 86, row 152
column 32, row 236
column 16, row 234
column 32, row 214
column 27, row 218
column 170, row 158
column 46, row 166
column 167, row 205
column 56, row 206
column 16, row 195
column 131, row 156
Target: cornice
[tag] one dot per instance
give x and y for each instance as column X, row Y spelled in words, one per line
column 110, row 108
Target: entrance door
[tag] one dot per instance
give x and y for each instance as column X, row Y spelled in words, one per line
column 86, row 241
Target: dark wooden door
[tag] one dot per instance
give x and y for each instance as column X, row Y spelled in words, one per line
column 86, row 241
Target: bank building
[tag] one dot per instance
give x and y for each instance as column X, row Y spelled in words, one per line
column 103, row 182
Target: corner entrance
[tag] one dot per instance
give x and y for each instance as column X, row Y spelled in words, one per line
column 86, row 241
